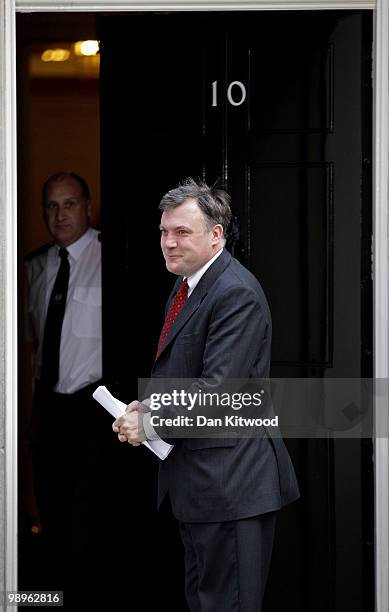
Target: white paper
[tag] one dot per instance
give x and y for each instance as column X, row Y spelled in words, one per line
column 116, row 408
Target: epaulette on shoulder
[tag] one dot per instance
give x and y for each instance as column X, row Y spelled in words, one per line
column 40, row 251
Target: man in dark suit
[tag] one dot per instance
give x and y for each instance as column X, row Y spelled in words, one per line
column 224, row 491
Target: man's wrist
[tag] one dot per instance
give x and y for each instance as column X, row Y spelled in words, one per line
column 149, row 430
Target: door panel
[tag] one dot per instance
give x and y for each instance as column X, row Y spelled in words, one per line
column 277, row 107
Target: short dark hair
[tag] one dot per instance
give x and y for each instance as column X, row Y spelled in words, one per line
column 214, row 203
column 60, row 176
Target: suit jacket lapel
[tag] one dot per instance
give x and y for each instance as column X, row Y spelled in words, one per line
column 199, row 293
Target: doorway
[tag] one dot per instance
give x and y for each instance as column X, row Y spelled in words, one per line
column 285, row 144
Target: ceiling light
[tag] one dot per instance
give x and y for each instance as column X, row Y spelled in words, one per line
column 55, row 55
column 86, row 47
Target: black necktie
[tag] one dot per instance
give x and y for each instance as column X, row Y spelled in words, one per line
column 53, row 326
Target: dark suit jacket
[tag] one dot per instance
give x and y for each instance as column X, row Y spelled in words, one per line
column 223, row 332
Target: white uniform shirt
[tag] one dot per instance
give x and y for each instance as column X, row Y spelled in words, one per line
column 81, row 350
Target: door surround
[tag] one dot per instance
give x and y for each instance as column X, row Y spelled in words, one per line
column 8, row 242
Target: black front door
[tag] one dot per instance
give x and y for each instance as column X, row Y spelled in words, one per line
column 275, row 106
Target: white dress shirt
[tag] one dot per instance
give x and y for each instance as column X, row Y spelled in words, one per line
column 81, row 350
column 195, row 278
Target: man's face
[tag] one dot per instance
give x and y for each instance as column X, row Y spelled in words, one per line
column 66, row 211
column 187, row 244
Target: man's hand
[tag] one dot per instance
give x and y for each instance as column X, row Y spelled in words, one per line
column 129, row 426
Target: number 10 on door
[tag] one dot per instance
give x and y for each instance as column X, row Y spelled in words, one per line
column 236, row 93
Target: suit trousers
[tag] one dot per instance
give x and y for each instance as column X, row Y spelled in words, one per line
column 227, row 563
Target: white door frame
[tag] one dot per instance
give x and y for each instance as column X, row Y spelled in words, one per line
column 8, row 243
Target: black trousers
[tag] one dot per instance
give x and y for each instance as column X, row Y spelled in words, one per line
column 73, row 443
column 227, row 564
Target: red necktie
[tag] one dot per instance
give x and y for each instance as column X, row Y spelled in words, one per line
column 175, row 307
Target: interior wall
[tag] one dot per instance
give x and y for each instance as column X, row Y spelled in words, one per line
column 59, row 122
column 62, row 133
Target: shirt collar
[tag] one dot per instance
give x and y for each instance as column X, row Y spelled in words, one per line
column 76, row 248
column 194, row 279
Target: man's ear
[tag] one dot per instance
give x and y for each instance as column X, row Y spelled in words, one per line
column 217, row 233
column 89, row 208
